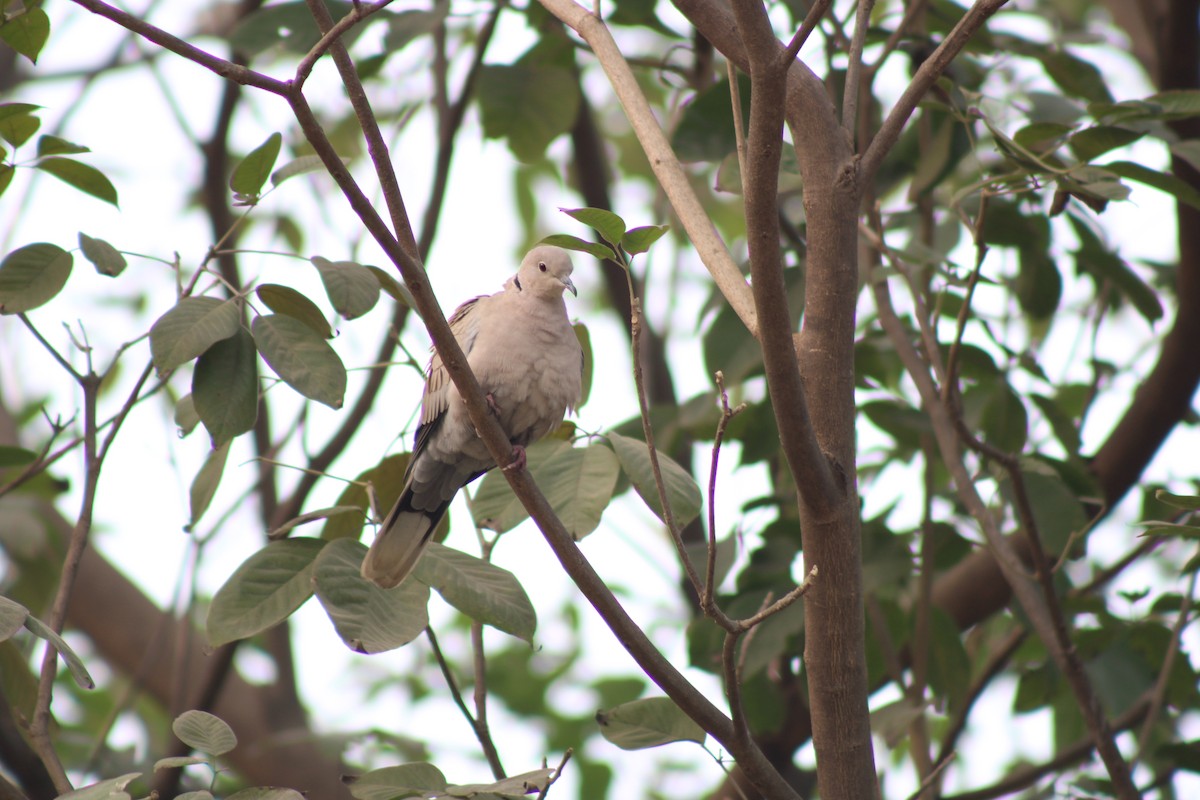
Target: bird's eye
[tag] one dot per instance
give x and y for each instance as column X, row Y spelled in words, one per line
column 542, row 266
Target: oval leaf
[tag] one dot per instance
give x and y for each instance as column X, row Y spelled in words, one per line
column 639, row 240
column 286, row 300
column 484, row 592
column 403, row 781
column 297, row 166
column 191, row 327
column 263, row 591
column 225, row 387
column 682, row 492
column 352, row 288
column 369, row 619
column 568, row 242
column 301, row 358
column 649, row 722
column 175, row 762
column 32, row 275
column 104, row 257
column 83, row 177
column 610, row 227
column 26, row 31
column 111, row 789
column 74, row 662
column 204, row 485
column 205, row 732
column 12, row 617
column 494, row 505
column 252, row 172
column 266, row 793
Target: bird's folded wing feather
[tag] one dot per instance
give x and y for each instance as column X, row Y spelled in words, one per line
column 464, row 324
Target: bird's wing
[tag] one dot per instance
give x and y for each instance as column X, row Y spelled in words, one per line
column 464, row 324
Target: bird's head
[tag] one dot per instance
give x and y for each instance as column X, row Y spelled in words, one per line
column 546, row 271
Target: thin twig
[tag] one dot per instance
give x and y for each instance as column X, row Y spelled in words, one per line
column 710, row 569
column 1159, row 694
column 862, row 22
column 557, row 774
column 811, row 20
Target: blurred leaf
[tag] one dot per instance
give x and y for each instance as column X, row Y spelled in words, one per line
column 11, row 456
column 1074, row 75
column 649, row 722
column 17, row 125
column 263, row 591
column 1056, row 510
column 26, row 32
column 191, row 327
column 83, row 177
column 585, row 344
column 286, row 300
column 175, row 762
column 403, row 781
column 12, row 617
column 681, row 489
column 1186, row 502
column 387, row 479
column 352, row 288
column 406, row 26
column 641, row 13
column 948, row 661
column 369, row 619
column 31, row 276
column 481, row 590
column 288, row 26
column 297, row 166
column 1102, row 263
column 205, row 732
column 1176, row 187
column 705, row 130
column 54, row 146
column 527, row 104
column 997, row 412
column 251, row 173
column 301, row 358
column 1097, row 140
column 225, row 387
column 106, row 258
column 266, row 793
column 892, row 721
column 204, row 485
column 395, row 289
column 186, row 418
column 111, row 789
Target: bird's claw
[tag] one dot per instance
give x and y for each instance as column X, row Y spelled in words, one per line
column 518, row 459
column 492, row 405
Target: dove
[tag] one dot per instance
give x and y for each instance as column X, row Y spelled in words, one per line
column 528, row 361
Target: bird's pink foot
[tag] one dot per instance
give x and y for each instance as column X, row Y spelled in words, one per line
column 518, row 459
column 492, row 404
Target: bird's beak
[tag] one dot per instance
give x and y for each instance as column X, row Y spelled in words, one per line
column 571, row 286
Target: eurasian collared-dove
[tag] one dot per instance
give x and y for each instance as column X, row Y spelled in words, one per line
column 525, row 355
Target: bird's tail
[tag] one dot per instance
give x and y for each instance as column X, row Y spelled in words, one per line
column 401, row 541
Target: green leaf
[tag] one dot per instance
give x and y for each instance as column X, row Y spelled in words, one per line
column 286, row 300
column 252, row 172
column 352, row 288
column 568, row 242
column 387, row 480
column 397, row 290
column 205, row 732
column 83, row 177
column 610, row 227
column 407, row 26
column 527, row 104
column 1177, row 188
column 649, row 722
column 176, row 762
column 578, row 483
column 1185, row 502
column 297, row 166
column 111, row 789
column 225, row 387
column 705, row 131
column 26, row 32
column 1075, row 76
column 266, row 793
column 585, row 344
column 54, row 146
column 481, row 590
column 32, row 275
column 11, row 456
column 369, row 619
column 263, row 591
column 1097, row 140
column 288, row 26
column 204, row 485
column 18, row 128
column 949, row 664
column 638, row 240
column 682, row 492
column 1056, row 510
column 12, row 617
column 1095, row 258
column 104, row 257
column 515, row 787
column 186, row 418
column 191, row 327
column 405, row 780
column 301, row 358
column 74, row 662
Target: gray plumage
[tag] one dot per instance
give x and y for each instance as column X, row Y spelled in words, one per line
column 524, row 353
